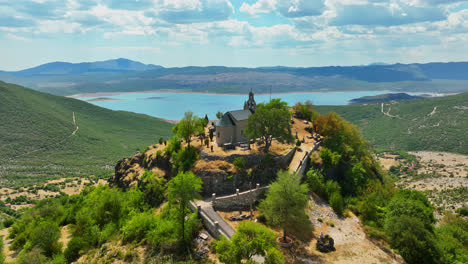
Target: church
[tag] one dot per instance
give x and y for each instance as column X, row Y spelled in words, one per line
column 230, row 127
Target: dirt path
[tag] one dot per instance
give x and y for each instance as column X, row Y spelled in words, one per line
column 10, row 255
column 45, row 147
column 76, row 127
column 433, row 111
column 351, row 242
column 388, row 112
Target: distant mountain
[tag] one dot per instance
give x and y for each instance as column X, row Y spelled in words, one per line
column 43, row 135
column 64, row 68
column 384, row 98
column 128, row 76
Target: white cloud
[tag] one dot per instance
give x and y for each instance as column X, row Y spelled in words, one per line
column 261, row 6
column 16, row 37
column 287, row 8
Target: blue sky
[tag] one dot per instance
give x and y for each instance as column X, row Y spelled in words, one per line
column 248, row 33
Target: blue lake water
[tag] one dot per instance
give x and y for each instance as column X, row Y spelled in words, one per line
column 172, row 106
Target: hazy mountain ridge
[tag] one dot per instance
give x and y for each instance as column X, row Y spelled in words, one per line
column 64, row 68
column 430, row 77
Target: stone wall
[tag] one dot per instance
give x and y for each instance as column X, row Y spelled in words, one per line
column 214, row 228
column 239, row 200
column 286, row 158
column 305, row 161
column 253, row 158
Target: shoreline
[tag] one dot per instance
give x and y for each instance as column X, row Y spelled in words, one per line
column 170, row 91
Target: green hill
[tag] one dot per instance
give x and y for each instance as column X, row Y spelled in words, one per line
column 37, row 140
column 438, row 124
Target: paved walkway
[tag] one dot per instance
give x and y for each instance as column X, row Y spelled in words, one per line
column 299, row 156
column 206, row 207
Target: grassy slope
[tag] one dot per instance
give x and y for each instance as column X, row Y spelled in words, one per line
column 445, row 130
column 36, row 128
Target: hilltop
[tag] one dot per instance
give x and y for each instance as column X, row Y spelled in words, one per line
column 384, row 98
column 43, row 136
column 436, row 124
column 67, row 79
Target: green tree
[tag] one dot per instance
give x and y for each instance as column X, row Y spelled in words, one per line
column 206, row 121
column 181, row 190
column 219, row 115
column 270, row 120
column 413, row 241
column 152, row 188
column 188, row 126
column 285, row 202
column 46, row 237
column 409, row 227
column 249, row 240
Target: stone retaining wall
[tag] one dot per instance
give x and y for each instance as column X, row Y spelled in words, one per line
column 254, row 158
column 285, row 159
column 239, row 200
column 305, row 161
column 214, row 228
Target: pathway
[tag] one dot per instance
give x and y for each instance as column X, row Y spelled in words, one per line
column 299, row 156
column 52, row 144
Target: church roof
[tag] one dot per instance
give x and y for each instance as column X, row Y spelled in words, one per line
column 225, row 121
column 240, row 115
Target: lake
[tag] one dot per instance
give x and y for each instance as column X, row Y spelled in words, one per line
column 172, row 106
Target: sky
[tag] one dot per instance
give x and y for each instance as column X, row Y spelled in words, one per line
column 240, row 33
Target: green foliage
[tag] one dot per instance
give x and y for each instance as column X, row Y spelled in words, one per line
column 139, row 225
column 36, row 128
column 414, row 129
column 346, row 153
column 75, row 245
column 185, row 158
column 188, row 126
column 240, row 164
column 315, row 181
column 45, row 237
column 249, row 240
column 298, row 143
column 2, row 254
column 336, row 202
column 305, row 111
column 152, row 188
column 219, row 115
column 270, row 120
column 415, row 243
column 181, row 190
column 409, row 227
column 285, row 203
column 463, row 211
column 174, row 146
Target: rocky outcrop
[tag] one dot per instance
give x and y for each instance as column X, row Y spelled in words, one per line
column 127, row 171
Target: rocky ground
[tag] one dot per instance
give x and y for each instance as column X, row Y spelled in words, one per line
column 442, row 176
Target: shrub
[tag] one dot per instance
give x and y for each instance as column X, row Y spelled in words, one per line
column 74, row 247
column 463, row 211
column 336, row 202
column 138, row 226
column 46, row 236
column 330, row 223
column 161, row 140
column 331, row 187
column 316, row 182
column 298, row 143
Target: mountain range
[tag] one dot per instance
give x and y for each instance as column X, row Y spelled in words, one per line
column 124, row 75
